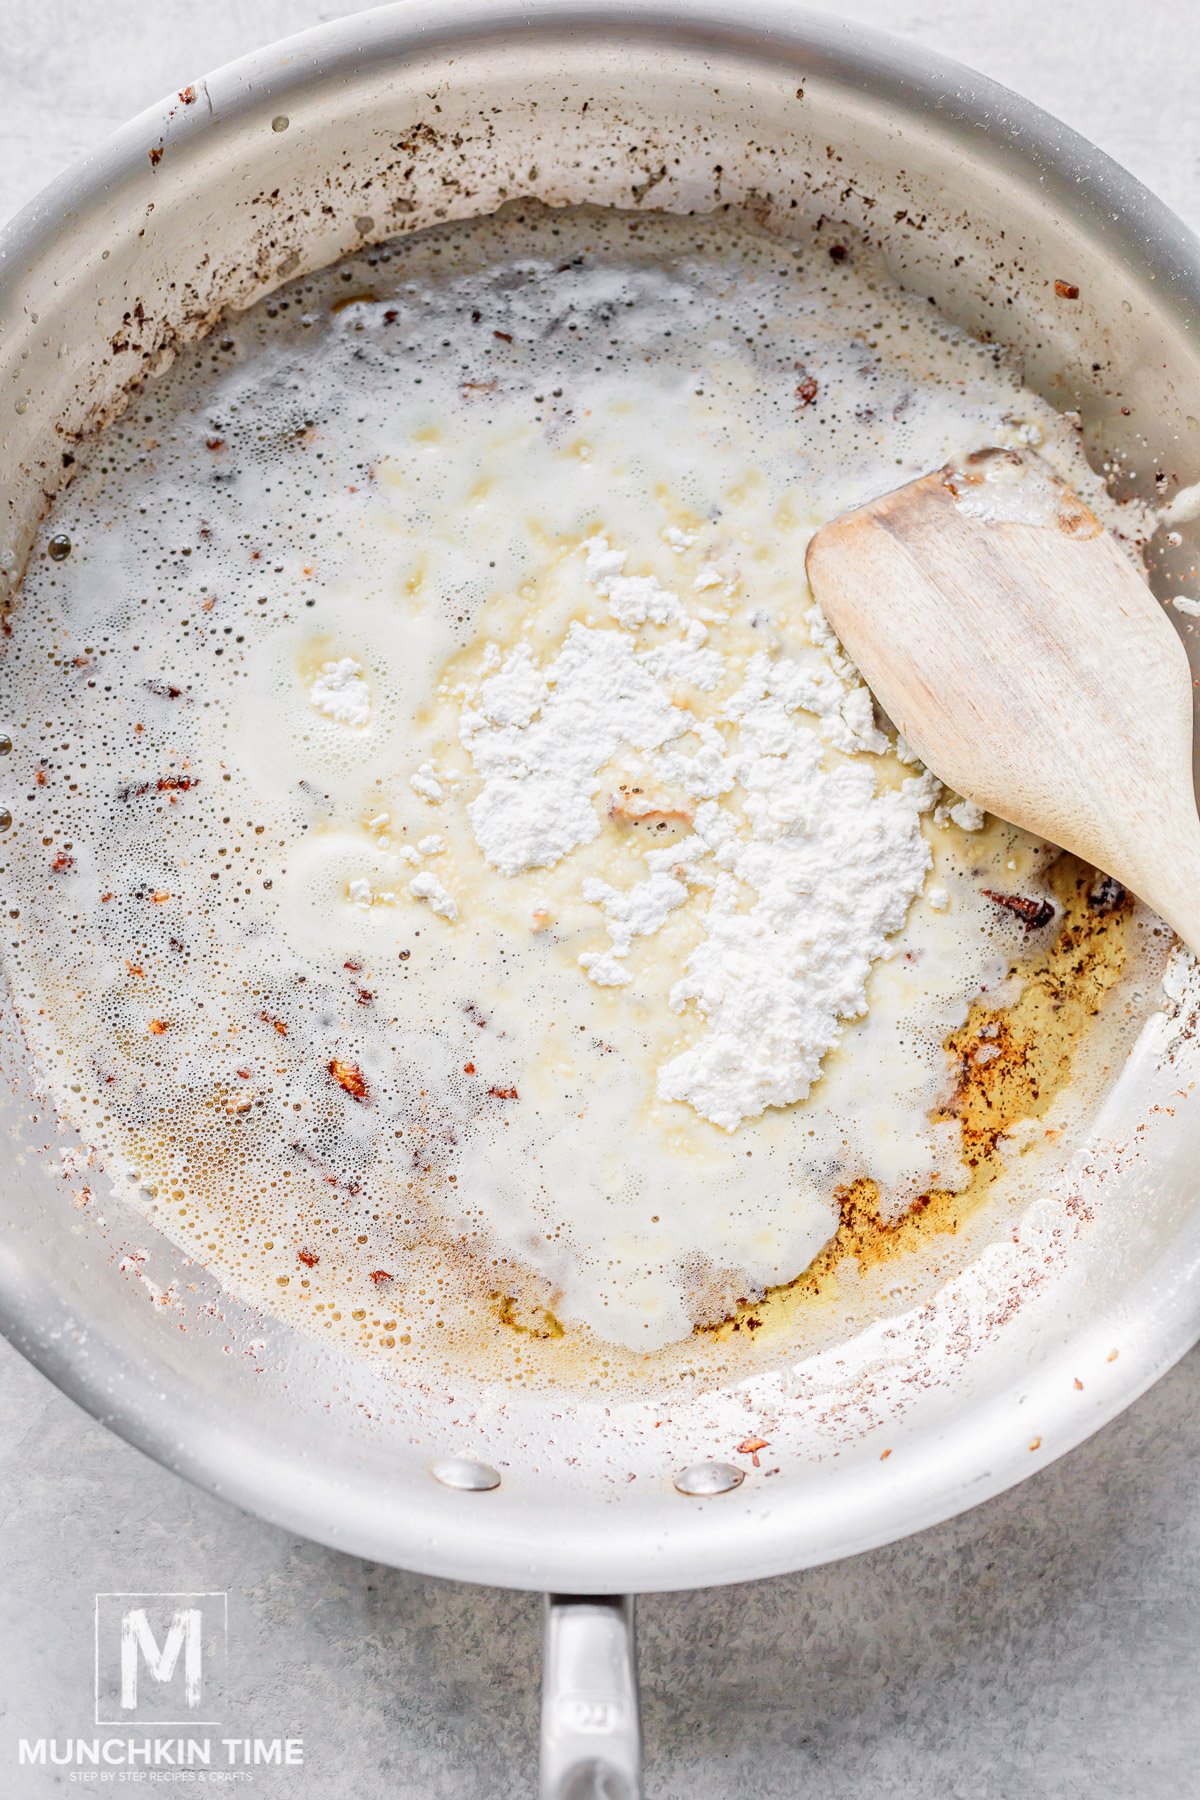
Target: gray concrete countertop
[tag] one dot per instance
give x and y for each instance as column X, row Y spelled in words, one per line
column 1045, row 1645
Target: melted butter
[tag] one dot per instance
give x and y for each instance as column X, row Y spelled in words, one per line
column 1013, row 1062
column 507, row 1189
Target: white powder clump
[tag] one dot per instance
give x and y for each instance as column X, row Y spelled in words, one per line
column 541, row 762
column 514, row 695
column 636, row 913
column 775, row 687
column 967, row 816
column 833, row 866
column 685, row 664
column 340, row 692
column 705, row 772
column 363, row 895
column 809, row 871
column 428, row 887
column 426, row 783
column 632, row 599
column 1184, row 604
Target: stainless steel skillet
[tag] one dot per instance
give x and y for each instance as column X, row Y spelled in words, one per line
column 390, row 120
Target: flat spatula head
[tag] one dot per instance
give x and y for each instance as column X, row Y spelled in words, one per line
column 1023, row 657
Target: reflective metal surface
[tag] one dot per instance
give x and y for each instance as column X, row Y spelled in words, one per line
column 703, row 1479
column 464, row 1476
column 591, row 1737
column 422, row 111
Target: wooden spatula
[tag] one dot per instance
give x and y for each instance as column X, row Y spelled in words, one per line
column 1027, row 663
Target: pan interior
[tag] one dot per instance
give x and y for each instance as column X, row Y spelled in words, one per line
column 876, row 1351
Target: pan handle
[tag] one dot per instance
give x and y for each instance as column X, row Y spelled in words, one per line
column 591, row 1735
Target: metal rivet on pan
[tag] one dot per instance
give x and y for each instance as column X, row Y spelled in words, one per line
column 280, row 122
column 469, row 1477
column 705, row 1478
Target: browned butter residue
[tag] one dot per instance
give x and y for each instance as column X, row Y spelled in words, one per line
column 1012, row 1061
column 527, row 1319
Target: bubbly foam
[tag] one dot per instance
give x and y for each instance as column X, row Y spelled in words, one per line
column 355, row 1053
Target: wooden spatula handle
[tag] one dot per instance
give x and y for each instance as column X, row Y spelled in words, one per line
column 1022, row 655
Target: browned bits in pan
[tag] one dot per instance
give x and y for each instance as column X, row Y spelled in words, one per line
column 349, row 1077
column 1108, row 896
column 1033, row 914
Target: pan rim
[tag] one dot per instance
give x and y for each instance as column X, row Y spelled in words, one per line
column 756, row 1540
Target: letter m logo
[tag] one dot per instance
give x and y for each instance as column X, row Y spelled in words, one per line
column 159, row 1658
column 139, row 1644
